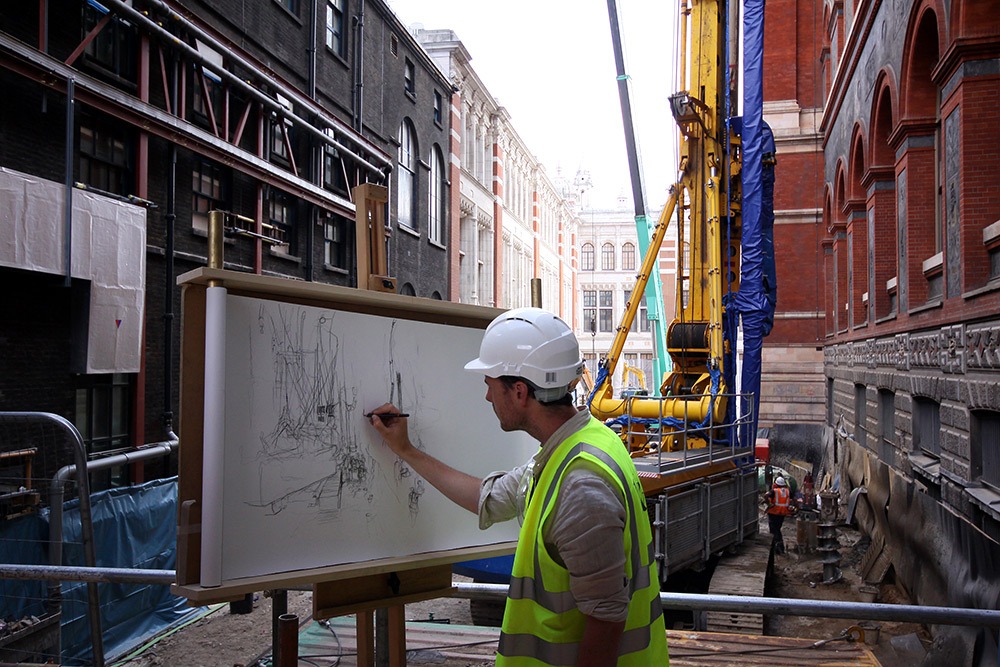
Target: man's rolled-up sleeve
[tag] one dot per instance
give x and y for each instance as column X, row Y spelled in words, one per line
column 586, row 534
column 499, row 496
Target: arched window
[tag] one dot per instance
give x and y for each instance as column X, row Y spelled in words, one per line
column 436, row 198
column 407, row 179
column 608, row 257
column 587, row 257
column 628, row 256
column 407, row 290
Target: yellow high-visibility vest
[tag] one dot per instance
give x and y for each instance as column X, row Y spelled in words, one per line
column 541, row 623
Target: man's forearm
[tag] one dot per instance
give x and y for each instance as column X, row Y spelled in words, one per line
column 457, row 486
column 599, row 646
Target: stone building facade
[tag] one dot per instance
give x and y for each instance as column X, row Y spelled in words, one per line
column 911, row 212
column 609, row 263
column 514, row 222
column 270, row 109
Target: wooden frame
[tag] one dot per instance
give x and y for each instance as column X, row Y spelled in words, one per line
column 420, row 575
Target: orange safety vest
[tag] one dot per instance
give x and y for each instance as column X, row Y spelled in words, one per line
column 780, row 504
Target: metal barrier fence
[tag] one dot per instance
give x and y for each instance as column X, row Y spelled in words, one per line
column 41, row 454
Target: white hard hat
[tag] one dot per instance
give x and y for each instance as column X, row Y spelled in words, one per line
column 533, row 344
column 779, row 481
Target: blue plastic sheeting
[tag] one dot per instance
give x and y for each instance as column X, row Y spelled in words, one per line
column 23, row 541
column 755, row 300
column 134, row 527
column 494, row 570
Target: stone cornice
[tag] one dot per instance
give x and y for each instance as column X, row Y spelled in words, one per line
column 911, row 127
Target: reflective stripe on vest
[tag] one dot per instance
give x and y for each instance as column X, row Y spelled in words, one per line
column 781, row 498
column 555, row 612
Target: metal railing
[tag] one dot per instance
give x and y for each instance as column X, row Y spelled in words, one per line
column 679, row 427
column 39, row 422
column 864, row 611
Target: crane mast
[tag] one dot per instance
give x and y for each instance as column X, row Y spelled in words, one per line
column 706, row 200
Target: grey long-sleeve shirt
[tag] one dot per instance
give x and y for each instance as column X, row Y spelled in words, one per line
column 585, row 531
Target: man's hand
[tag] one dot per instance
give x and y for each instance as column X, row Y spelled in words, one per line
column 460, row 488
column 392, row 429
column 599, row 647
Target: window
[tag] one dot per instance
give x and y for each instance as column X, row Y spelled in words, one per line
column 926, row 426
column 436, row 203
column 590, row 310
column 860, row 415
column 281, row 214
column 114, row 48
column 105, row 159
column 334, row 169
column 394, row 46
column 207, row 193
column 279, row 147
column 407, row 290
column 635, row 320
column 335, row 26
column 608, row 257
column 829, row 401
column 409, row 84
column 103, row 416
column 406, row 180
column 643, row 316
column 590, row 360
column 986, row 446
column 628, row 257
column 587, row 257
column 886, row 423
column 438, row 108
column 605, row 300
column 290, row 5
column 646, row 364
column 335, row 242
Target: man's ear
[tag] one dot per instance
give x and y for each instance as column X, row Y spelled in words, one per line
column 522, row 392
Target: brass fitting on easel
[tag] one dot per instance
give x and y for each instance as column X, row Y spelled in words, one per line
column 216, row 242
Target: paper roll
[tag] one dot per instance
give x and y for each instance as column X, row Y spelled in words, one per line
column 213, row 441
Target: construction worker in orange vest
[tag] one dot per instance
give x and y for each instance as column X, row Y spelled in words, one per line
column 779, row 505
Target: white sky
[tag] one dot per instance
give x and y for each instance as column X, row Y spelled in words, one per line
column 550, row 63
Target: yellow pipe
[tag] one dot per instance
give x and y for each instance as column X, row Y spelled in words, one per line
column 691, row 410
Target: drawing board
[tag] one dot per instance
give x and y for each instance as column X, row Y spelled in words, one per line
column 304, row 467
column 306, row 482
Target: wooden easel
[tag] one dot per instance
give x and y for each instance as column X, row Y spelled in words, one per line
column 363, row 595
column 340, row 589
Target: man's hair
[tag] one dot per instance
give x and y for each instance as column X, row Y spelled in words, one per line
column 510, row 380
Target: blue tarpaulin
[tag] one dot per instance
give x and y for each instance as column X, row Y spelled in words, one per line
column 757, row 295
column 134, row 527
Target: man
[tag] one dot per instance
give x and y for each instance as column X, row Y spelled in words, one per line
column 778, row 507
column 584, row 589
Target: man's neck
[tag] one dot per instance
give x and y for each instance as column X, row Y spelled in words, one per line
column 544, row 421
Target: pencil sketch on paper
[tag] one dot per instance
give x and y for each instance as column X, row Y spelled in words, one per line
column 310, row 451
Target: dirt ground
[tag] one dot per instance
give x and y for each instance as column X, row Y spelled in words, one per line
column 219, row 638
column 799, row 575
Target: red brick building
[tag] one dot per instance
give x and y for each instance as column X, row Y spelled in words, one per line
column 792, row 373
column 911, row 283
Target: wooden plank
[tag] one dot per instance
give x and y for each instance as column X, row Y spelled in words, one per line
column 700, row 649
column 742, row 574
column 390, row 589
column 344, row 298
column 192, row 424
column 235, row 589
